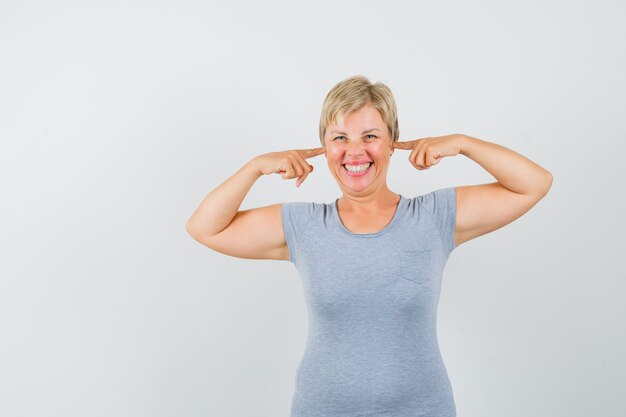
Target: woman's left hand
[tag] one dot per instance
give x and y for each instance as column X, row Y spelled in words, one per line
column 426, row 152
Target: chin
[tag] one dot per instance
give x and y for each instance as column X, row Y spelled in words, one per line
column 351, row 186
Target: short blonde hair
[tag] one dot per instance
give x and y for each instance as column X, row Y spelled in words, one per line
column 353, row 93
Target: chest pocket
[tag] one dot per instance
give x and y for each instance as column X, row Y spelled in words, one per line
column 417, row 264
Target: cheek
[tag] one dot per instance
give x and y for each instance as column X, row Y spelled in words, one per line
column 333, row 153
column 378, row 150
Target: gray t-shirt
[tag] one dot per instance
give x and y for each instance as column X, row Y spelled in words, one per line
column 372, row 347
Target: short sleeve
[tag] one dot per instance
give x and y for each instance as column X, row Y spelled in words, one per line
column 295, row 217
column 441, row 206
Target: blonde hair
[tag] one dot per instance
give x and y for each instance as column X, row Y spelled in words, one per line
column 353, row 93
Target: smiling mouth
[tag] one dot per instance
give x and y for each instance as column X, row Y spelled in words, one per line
column 357, row 169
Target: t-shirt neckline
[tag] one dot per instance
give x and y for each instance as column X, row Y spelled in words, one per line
column 344, row 229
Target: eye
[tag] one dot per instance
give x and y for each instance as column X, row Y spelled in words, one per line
column 339, row 137
column 373, row 135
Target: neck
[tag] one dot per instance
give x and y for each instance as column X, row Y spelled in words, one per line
column 366, row 202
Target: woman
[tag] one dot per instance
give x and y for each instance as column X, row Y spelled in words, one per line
column 370, row 262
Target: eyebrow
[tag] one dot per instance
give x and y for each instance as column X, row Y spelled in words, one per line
column 344, row 133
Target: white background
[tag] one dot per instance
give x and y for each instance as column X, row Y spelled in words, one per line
column 118, row 117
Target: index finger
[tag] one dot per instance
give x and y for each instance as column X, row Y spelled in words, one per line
column 309, row 153
column 410, row 144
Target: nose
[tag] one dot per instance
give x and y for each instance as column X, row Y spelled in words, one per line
column 355, row 148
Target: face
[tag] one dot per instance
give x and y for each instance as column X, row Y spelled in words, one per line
column 361, row 142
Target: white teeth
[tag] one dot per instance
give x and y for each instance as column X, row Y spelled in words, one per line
column 358, row 168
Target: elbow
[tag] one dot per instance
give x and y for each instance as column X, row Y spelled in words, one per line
column 548, row 183
column 198, row 235
column 550, row 179
column 190, row 230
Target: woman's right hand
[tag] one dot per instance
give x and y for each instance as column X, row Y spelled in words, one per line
column 290, row 164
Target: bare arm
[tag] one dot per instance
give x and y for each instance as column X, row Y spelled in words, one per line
column 483, row 208
column 255, row 233
column 520, row 184
column 220, row 206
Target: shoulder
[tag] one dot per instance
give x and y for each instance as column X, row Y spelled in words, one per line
column 303, row 210
column 437, row 200
column 436, row 206
column 439, row 208
column 303, row 206
column 297, row 217
column 437, row 195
